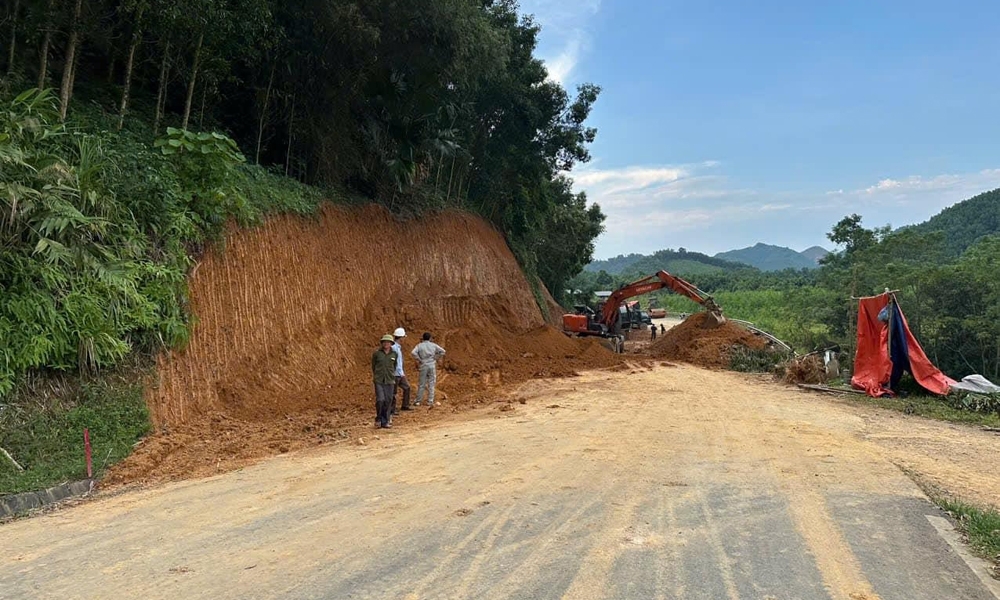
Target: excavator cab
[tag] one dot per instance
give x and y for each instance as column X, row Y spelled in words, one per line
column 583, row 322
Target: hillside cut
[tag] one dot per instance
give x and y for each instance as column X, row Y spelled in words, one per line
column 289, row 313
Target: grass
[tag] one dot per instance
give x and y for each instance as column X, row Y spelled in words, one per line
column 41, row 426
column 981, row 526
column 930, row 407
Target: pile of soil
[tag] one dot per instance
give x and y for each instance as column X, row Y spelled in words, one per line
column 692, row 342
column 288, row 315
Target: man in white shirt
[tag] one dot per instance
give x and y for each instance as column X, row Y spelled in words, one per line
column 401, row 382
column 427, row 354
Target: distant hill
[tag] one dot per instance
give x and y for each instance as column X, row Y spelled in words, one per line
column 815, row 254
column 967, row 222
column 679, row 262
column 769, row 258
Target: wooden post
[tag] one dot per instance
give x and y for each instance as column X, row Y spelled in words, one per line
column 87, row 453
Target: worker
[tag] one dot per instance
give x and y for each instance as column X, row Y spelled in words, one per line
column 652, row 330
column 384, row 362
column 662, row 329
column 427, row 354
column 401, row 382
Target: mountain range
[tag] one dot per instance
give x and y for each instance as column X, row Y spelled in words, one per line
column 961, row 224
column 761, row 256
column 775, row 258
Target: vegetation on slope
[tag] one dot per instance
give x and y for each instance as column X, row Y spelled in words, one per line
column 414, row 104
column 965, row 223
column 952, row 301
column 770, row 258
column 676, row 261
column 113, row 182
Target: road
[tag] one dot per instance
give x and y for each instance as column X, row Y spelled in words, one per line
column 671, row 482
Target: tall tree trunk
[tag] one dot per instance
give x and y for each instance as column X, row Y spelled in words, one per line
column 291, row 126
column 437, row 178
column 66, row 91
column 451, row 178
column 72, row 78
column 43, row 62
column 263, row 112
column 192, row 82
column 127, row 88
column 13, row 37
column 201, row 115
column 161, row 90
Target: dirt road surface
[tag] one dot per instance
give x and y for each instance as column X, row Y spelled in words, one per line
column 665, row 483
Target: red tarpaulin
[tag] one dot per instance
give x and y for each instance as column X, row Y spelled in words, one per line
column 873, row 365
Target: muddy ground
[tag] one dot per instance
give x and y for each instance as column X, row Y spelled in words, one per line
column 671, row 482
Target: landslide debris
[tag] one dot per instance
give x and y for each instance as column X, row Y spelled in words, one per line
column 695, row 343
column 289, row 313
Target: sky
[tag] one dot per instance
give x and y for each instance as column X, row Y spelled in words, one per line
column 723, row 123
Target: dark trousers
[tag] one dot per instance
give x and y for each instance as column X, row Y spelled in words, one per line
column 383, row 403
column 403, row 384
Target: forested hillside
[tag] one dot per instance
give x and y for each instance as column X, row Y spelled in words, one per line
column 966, row 223
column 133, row 131
column 412, row 104
column 676, row 261
column 769, row 258
column 815, row 253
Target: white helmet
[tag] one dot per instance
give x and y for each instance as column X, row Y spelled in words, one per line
column 400, row 333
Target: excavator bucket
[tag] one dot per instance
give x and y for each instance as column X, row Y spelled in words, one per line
column 714, row 320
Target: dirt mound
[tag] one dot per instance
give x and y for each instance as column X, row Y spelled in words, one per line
column 693, row 343
column 288, row 315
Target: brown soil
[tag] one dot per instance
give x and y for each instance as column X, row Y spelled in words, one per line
column 547, row 500
column 692, row 342
column 288, row 315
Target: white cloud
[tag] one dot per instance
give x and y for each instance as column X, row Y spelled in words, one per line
column 646, row 203
column 629, row 179
column 910, row 188
column 562, row 65
column 565, row 36
column 650, row 207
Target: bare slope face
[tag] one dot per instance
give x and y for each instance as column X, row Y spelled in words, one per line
column 289, row 313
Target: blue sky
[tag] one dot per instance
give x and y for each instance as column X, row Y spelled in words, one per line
column 729, row 122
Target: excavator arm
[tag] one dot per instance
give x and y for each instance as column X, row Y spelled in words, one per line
column 660, row 280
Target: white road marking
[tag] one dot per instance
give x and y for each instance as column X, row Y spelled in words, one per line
column 978, row 565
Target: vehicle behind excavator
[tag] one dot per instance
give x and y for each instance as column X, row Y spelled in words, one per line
column 609, row 320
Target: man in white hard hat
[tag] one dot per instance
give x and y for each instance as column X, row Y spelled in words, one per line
column 401, row 382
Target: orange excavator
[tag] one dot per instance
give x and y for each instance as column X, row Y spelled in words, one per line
column 607, row 324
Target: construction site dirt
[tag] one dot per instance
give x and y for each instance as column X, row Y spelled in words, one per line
column 288, row 314
column 699, row 342
column 661, row 482
column 553, row 467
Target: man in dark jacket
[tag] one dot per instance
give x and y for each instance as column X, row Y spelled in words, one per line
column 384, row 377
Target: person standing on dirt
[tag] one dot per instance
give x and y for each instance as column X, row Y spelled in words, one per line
column 384, row 362
column 652, row 330
column 427, row 353
column 401, row 382
column 663, row 329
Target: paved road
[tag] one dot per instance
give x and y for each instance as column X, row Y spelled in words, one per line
column 670, row 483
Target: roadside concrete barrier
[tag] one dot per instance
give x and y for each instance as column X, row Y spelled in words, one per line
column 18, row 504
